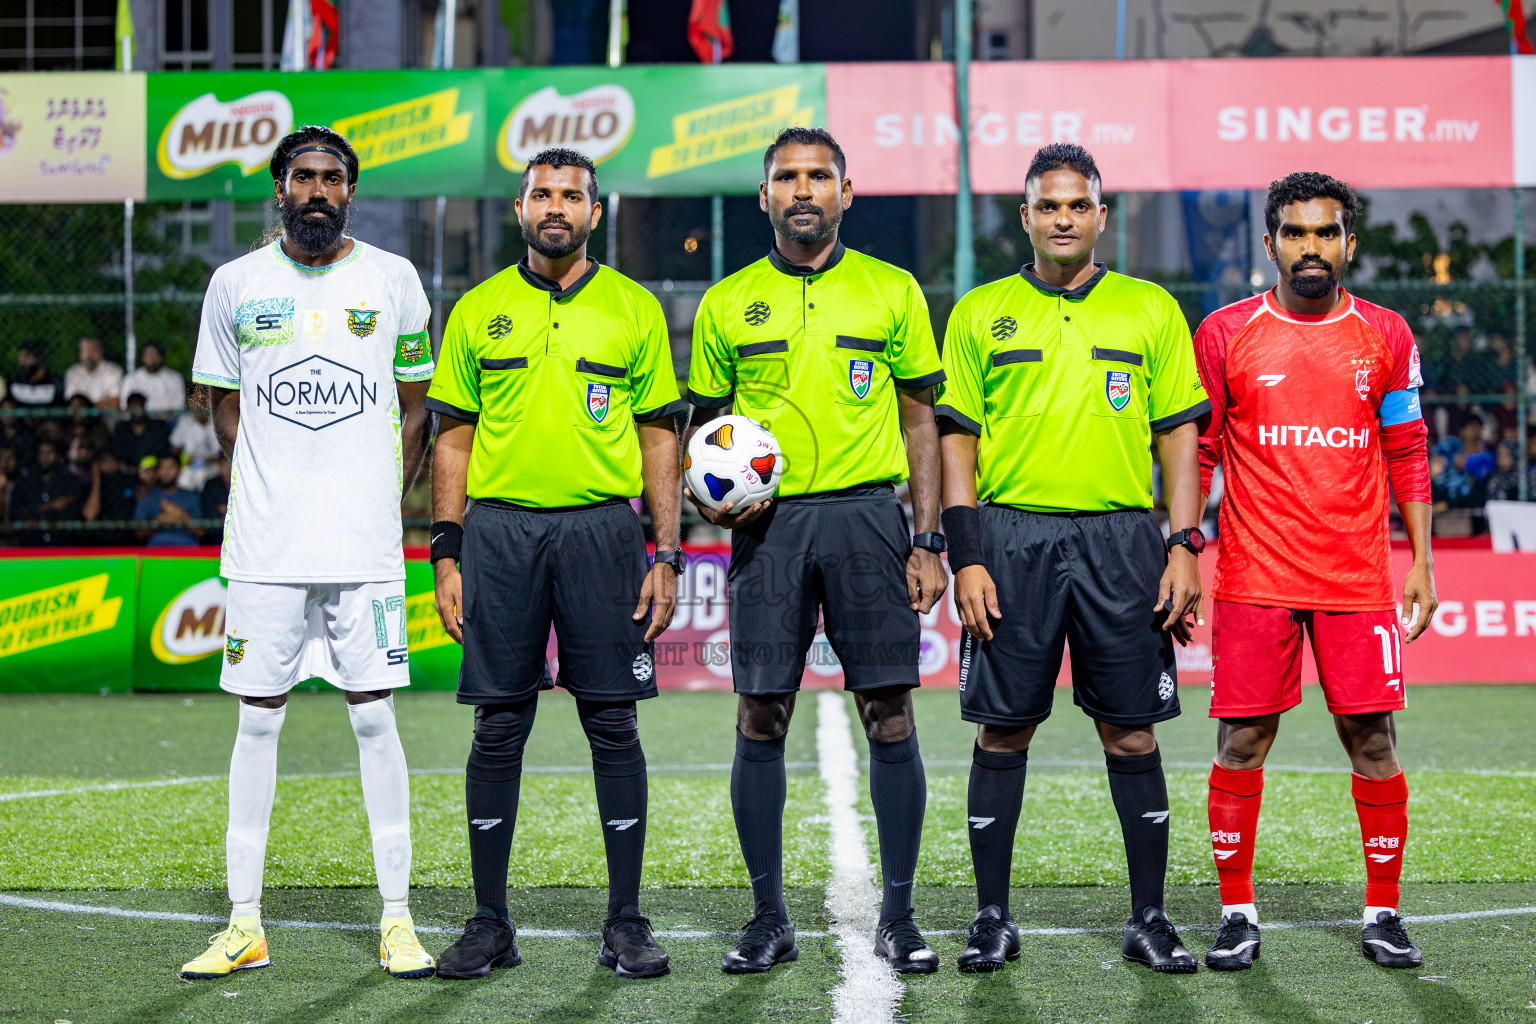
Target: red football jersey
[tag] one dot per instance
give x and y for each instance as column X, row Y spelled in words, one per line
column 1295, row 404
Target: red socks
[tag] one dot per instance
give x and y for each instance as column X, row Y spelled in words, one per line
column 1382, row 805
column 1234, row 816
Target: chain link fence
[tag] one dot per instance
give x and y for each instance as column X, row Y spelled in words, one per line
column 62, row 279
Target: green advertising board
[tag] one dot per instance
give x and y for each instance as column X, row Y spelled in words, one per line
column 154, row 623
column 660, row 130
column 66, row 624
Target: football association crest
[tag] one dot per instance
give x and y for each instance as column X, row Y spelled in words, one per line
column 1117, row 388
column 597, row 401
column 234, row 649
column 1362, row 383
column 361, row 322
column 860, row 372
column 316, row 323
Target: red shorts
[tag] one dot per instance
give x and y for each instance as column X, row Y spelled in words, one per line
column 1257, row 660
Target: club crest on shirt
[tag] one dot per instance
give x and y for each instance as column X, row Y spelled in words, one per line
column 361, row 322
column 597, row 402
column 860, row 372
column 234, row 649
column 316, row 322
column 1117, row 388
column 1363, row 383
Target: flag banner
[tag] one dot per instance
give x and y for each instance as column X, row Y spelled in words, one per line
column 71, row 137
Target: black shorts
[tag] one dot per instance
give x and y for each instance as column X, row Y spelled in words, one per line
column 843, row 553
column 1090, row 580
column 578, row 569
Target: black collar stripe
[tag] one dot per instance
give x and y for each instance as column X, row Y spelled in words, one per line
column 1027, row 272
column 552, row 286
column 783, row 265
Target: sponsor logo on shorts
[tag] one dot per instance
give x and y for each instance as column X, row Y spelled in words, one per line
column 860, row 373
column 642, row 668
column 1117, row 388
column 397, row 655
column 234, row 648
column 967, row 644
column 757, row 314
column 1165, row 687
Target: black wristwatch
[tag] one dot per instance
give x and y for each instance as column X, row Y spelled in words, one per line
column 932, row 541
column 1191, row 540
column 677, row 559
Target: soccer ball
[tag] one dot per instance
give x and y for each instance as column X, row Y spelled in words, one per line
column 733, row 459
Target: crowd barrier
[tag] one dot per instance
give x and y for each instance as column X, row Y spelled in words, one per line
column 87, row 621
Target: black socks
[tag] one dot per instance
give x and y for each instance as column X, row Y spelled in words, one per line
column 758, row 788
column 493, row 778
column 1141, row 800
column 993, row 801
column 899, row 791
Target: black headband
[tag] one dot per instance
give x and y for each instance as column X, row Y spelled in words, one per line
column 313, row 149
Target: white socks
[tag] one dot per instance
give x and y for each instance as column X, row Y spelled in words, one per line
column 252, row 782
column 1247, row 909
column 387, row 795
column 1371, row 912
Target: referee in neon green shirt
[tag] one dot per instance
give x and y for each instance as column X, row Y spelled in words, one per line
column 1058, row 378
column 833, row 351
column 557, row 401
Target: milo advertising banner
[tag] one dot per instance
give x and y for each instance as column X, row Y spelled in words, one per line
column 651, row 130
column 66, row 624
column 417, row 133
column 180, row 641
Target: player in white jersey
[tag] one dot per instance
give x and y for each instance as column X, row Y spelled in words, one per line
column 315, row 353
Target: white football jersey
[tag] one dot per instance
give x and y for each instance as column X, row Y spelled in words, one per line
column 315, row 353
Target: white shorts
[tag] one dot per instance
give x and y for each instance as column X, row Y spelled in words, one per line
column 277, row 635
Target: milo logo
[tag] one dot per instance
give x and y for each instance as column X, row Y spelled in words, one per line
column 597, row 121
column 208, row 133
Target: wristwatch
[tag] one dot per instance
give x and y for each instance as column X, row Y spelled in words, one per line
column 932, row 541
column 1191, row 540
column 677, row 559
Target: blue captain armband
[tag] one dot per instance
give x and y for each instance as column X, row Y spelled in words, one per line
column 1400, row 407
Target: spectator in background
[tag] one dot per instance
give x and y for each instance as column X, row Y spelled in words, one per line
column 47, row 491
column 83, row 422
column 194, row 438
column 1476, row 458
column 1501, row 363
column 1506, row 415
column 94, row 377
column 170, row 507
column 116, row 497
column 216, row 497
column 1451, row 485
column 16, row 432
column 137, row 436
column 1504, row 484
column 164, row 389
column 34, row 385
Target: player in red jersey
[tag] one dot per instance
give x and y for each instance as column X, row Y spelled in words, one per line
column 1315, row 411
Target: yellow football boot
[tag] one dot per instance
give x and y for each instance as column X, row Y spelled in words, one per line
column 241, row 946
column 399, row 952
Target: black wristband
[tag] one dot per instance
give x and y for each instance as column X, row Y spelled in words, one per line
column 962, row 531
column 447, row 539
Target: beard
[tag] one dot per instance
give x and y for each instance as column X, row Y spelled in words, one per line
column 315, row 237
column 1314, row 287
column 824, row 226
column 577, row 237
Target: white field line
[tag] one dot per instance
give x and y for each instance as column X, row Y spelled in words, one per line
column 868, row 992
column 187, row 780
column 60, row 907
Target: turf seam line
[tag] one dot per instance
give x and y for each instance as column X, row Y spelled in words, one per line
column 59, row 906
column 868, row 991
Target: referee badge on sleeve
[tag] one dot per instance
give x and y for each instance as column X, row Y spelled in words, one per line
column 597, row 401
column 1117, row 388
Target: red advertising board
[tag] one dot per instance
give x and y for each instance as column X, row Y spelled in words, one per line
column 1485, row 630
column 1378, row 122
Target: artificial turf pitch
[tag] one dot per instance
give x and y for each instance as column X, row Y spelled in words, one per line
column 1472, row 847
